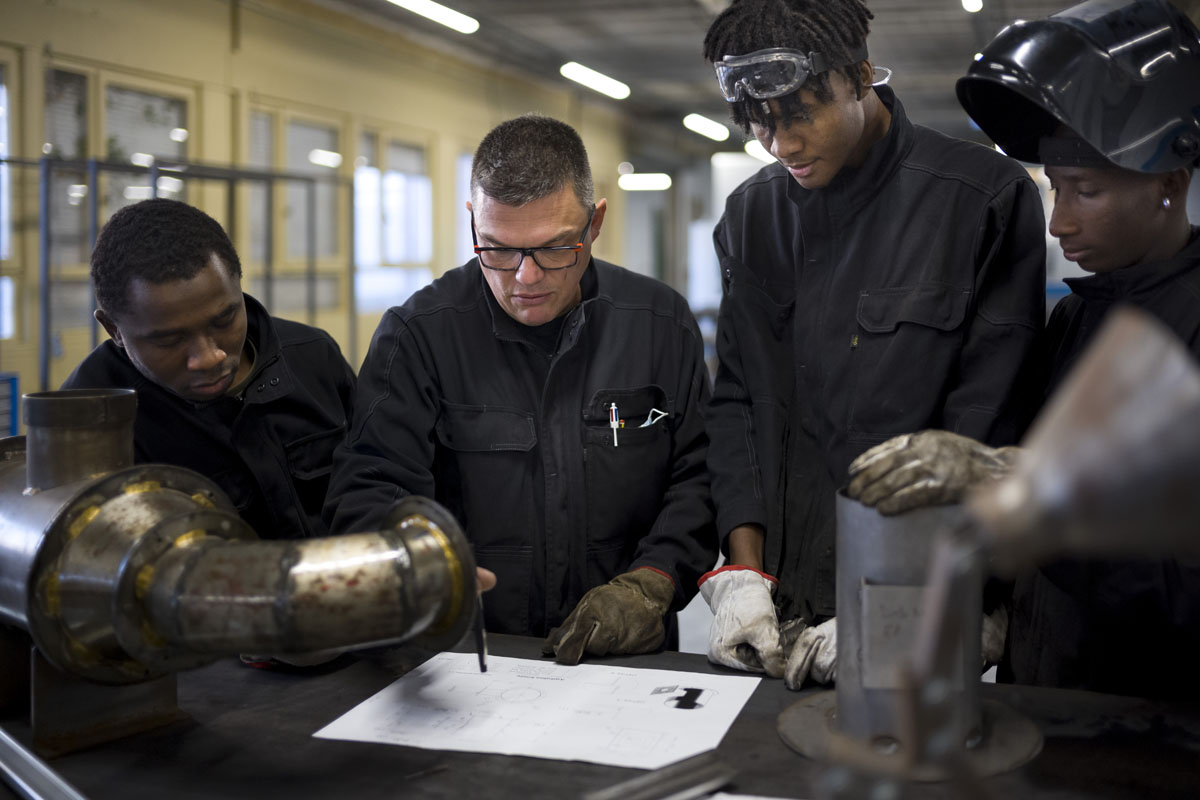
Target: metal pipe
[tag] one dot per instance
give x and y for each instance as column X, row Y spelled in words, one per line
column 89, row 435
column 310, row 277
column 309, row 595
column 29, row 776
column 881, row 573
column 124, row 575
column 93, row 180
column 44, row 273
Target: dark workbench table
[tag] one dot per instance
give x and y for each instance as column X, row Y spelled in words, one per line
column 250, row 735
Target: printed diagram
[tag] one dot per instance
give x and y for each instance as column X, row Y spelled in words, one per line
column 590, row 712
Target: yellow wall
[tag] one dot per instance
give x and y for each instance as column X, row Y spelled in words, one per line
column 297, row 57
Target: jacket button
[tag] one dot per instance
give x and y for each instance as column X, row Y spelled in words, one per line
column 274, row 381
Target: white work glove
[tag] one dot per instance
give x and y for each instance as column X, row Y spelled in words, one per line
column 811, row 652
column 915, row 470
column 745, row 631
column 995, row 629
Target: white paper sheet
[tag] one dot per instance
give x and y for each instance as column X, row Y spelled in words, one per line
column 621, row 716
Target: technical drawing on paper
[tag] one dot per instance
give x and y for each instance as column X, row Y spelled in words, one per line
column 591, row 712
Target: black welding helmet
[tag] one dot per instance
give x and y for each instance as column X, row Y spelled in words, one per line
column 1125, row 77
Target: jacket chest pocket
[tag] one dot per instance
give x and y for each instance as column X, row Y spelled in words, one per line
column 904, row 356
column 626, row 480
column 310, row 461
column 486, row 460
column 485, row 474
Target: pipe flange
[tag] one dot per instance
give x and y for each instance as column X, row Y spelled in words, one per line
column 134, row 630
column 439, row 523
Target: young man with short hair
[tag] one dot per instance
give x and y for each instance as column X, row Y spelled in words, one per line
column 253, row 402
column 880, row 278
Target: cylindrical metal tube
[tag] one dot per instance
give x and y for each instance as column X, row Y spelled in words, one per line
column 310, row 595
column 882, row 565
column 124, row 573
column 77, row 434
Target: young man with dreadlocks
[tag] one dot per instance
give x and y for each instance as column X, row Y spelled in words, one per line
column 881, row 278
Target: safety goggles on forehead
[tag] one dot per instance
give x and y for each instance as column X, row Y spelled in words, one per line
column 772, row 73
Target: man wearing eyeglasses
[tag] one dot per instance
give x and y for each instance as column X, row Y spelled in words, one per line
column 880, row 278
column 553, row 402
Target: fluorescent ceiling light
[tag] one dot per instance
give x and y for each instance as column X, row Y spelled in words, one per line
column 753, row 148
column 178, row 135
column 168, row 184
column 706, row 127
column 597, row 81
column 645, row 181
column 141, row 159
column 439, row 14
column 137, row 193
column 325, row 158
column 972, row 6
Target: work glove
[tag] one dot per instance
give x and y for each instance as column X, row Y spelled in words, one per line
column 929, row 468
column 745, row 631
column 995, row 629
column 811, row 652
column 624, row 615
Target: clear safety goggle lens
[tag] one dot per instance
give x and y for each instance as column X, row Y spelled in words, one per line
column 762, row 79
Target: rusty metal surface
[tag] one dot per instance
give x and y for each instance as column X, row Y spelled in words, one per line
column 1111, row 465
column 250, row 736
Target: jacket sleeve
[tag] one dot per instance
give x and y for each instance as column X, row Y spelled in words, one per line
column 683, row 540
column 997, row 392
column 388, row 453
column 732, row 464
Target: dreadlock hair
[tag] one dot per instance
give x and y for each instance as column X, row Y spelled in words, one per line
column 531, row 157
column 833, row 28
column 158, row 241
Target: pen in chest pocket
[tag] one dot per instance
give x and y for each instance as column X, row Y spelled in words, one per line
column 613, row 421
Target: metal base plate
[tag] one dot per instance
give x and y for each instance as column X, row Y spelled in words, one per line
column 1009, row 738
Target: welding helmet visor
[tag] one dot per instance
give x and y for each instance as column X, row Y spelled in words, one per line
column 1124, row 76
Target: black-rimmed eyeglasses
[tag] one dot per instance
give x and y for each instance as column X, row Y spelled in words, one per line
column 549, row 259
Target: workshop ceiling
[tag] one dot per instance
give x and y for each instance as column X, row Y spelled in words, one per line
column 655, row 47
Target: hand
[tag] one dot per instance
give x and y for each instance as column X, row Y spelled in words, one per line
column 929, row 468
column 812, row 653
column 995, row 629
column 485, row 580
column 745, row 632
column 624, row 615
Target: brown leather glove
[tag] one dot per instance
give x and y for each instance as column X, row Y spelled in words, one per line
column 624, row 615
column 929, row 468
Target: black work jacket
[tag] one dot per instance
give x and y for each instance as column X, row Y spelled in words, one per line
column 1124, row 627
column 271, row 450
column 905, row 295
column 457, row 401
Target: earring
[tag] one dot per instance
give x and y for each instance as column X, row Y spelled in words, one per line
column 1166, row 202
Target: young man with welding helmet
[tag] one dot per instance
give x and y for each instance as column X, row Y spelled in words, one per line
column 1106, row 97
column 880, row 278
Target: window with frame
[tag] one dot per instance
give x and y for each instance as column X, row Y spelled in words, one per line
column 141, row 128
column 65, row 137
column 393, row 204
column 311, row 148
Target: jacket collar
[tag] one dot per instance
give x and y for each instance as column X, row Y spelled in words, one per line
column 506, row 328
column 854, row 187
column 1139, row 279
column 271, row 378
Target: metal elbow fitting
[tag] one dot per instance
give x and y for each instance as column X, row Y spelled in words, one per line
column 125, row 573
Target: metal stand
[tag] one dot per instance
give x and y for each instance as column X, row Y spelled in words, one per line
column 69, row 713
